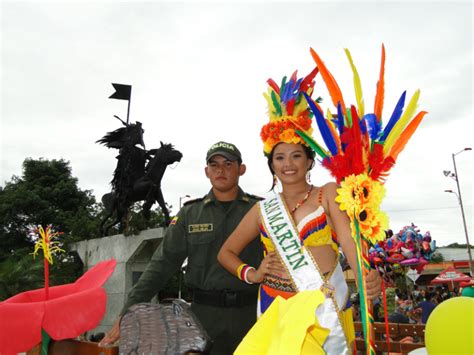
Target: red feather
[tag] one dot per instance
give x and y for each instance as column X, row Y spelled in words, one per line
column 274, row 86
column 308, row 81
column 338, row 166
column 290, row 106
column 379, row 166
column 356, row 146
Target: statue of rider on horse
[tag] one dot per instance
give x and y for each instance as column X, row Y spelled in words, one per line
column 137, row 176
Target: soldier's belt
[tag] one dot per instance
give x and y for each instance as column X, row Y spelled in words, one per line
column 225, row 298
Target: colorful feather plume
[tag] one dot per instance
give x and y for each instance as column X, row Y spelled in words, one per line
column 359, row 143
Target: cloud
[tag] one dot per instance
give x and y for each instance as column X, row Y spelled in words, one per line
column 198, row 70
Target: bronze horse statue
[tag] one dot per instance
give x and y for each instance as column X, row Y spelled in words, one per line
column 137, row 177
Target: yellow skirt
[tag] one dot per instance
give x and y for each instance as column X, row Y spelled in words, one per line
column 291, row 327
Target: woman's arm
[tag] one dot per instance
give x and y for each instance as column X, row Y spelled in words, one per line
column 342, row 227
column 246, row 231
column 341, row 224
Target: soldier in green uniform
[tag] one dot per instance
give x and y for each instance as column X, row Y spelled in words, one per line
column 225, row 306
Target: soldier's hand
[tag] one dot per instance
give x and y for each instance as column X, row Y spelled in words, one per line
column 112, row 336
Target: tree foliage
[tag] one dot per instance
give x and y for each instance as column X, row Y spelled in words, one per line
column 46, row 193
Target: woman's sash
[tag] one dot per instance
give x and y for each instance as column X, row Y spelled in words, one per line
column 304, row 272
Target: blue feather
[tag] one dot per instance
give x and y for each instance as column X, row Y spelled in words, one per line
column 323, row 126
column 374, row 125
column 397, row 113
column 340, row 118
column 363, row 126
column 340, row 125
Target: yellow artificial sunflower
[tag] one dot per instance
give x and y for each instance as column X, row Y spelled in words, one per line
column 358, row 192
column 361, row 197
column 372, row 224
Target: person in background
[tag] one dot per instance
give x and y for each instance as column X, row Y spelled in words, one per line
column 426, row 307
column 224, row 305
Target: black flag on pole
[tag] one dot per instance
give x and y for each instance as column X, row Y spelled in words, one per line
column 122, row 92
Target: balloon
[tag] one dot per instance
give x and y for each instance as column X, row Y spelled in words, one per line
column 426, row 246
column 468, row 292
column 412, row 261
column 450, row 327
column 395, row 258
column 407, row 253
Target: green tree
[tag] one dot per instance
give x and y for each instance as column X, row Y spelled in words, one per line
column 46, row 193
column 137, row 222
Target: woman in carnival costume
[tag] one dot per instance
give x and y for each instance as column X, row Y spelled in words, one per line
column 304, row 302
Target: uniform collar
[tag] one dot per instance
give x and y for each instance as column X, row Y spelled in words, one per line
column 210, row 197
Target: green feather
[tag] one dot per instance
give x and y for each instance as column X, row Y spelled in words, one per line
column 312, row 143
column 283, row 84
column 276, row 103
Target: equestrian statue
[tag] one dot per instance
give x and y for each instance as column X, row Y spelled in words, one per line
column 137, row 176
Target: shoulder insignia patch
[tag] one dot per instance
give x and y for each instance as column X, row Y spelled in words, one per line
column 174, row 220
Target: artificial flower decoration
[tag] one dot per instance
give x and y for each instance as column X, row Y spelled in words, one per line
column 359, row 191
column 288, row 111
column 360, row 153
column 373, row 224
column 46, row 241
column 59, row 312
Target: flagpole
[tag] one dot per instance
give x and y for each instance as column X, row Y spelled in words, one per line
column 128, row 108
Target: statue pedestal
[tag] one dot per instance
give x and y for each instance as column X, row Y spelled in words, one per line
column 132, row 254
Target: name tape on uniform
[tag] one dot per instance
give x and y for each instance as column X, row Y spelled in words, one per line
column 198, row 228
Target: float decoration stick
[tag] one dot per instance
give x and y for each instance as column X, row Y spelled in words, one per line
column 46, row 243
column 363, row 268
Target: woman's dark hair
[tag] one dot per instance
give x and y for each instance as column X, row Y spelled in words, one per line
column 310, row 154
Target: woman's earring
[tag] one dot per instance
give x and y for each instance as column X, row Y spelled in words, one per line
column 308, row 176
column 275, row 180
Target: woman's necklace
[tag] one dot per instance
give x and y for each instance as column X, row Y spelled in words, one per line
column 298, row 205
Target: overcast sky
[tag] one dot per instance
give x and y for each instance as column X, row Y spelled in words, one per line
column 198, row 71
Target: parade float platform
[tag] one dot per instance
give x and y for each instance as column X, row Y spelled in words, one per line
column 74, row 347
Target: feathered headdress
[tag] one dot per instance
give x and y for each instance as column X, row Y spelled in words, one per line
column 288, row 111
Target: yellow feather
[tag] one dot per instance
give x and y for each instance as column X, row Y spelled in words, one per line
column 402, row 122
column 300, row 107
column 271, row 106
column 357, row 85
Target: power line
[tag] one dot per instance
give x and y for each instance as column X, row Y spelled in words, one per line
column 425, row 209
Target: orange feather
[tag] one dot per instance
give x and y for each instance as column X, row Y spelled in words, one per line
column 379, row 96
column 331, row 84
column 406, row 135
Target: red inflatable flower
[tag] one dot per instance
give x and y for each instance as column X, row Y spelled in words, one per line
column 69, row 311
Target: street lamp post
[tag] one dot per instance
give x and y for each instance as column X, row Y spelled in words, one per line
column 181, row 270
column 455, row 176
column 181, row 199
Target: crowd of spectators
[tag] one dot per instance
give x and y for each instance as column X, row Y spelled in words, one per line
column 415, row 305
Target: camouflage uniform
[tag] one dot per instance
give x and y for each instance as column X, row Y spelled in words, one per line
column 225, row 305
